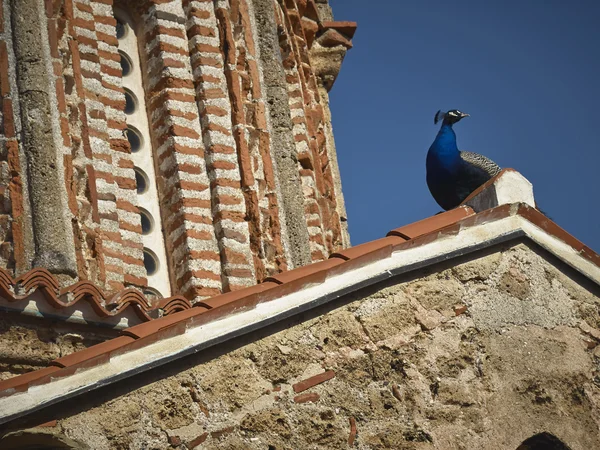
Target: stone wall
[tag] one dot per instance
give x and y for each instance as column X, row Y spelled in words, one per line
column 241, row 142
column 479, row 353
column 28, row 343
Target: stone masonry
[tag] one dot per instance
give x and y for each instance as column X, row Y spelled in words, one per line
column 237, row 107
column 482, row 352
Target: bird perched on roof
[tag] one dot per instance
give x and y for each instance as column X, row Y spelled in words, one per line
column 453, row 174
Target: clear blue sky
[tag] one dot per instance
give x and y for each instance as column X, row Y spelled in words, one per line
column 528, row 72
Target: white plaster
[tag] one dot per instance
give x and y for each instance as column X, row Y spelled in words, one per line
column 510, row 187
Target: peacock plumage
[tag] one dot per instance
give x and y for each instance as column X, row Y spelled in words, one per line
column 453, row 174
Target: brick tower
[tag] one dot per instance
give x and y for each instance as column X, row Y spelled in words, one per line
column 176, row 147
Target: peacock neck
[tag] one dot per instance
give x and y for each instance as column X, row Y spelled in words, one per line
column 444, row 147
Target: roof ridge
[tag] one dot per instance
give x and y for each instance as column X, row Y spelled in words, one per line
column 421, row 233
column 219, row 305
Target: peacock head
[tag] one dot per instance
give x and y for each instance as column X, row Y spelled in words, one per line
column 450, row 117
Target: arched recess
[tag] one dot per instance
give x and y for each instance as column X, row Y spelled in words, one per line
column 543, row 441
column 142, row 152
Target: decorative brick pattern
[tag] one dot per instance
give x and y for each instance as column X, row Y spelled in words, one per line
column 187, row 216
column 320, row 205
column 222, row 157
column 128, row 251
column 252, row 138
column 220, row 201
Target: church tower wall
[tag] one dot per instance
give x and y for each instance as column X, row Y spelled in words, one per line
column 178, row 147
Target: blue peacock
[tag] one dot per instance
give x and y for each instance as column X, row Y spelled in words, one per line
column 453, row 174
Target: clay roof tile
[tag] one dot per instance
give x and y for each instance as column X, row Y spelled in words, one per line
column 92, row 355
column 433, row 223
column 21, row 383
column 276, row 286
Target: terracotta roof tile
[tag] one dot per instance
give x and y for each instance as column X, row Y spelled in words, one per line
column 147, row 328
column 93, row 355
column 368, row 247
column 21, row 383
column 433, row 223
column 535, row 216
column 174, row 304
column 367, row 253
column 234, row 296
column 41, row 280
column 304, row 271
column 158, row 334
column 416, row 234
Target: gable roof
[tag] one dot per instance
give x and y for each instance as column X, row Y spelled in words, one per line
column 439, row 238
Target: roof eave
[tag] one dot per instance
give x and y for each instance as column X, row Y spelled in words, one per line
column 195, row 333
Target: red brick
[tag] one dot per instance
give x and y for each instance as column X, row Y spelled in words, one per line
column 234, row 216
column 197, row 441
column 4, row 83
column 127, row 206
column 229, row 256
column 178, row 130
column 211, row 94
column 224, row 182
column 7, row 112
column 125, row 183
column 199, row 30
column 193, row 234
column 208, row 61
column 215, row 111
column 205, row 78
column 353, row 431
column 223, row 149
column 308, row 397
column 133, row 280
column 135, row 228
column 313, row 381
column 214, row 127
column 222, row 165
column 192, row 186
column 224, row 199
column 160, row 29
column 107, row 38
column 205, row 255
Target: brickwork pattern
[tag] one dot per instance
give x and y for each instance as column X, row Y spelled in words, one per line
column 296, row 32
column 210, row 132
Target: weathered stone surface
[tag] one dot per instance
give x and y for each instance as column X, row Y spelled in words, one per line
column 480, row 269
column 54, row 245
column 28, row 344
column 281, row 126
column 489, row 379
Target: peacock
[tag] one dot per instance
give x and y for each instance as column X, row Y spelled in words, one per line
column 453, row 174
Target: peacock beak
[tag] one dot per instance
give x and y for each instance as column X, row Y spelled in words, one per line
column 463, row 115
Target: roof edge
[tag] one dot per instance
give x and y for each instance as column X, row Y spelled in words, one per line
column 192, row 331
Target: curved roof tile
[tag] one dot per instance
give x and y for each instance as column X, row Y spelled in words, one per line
column 43, row 281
